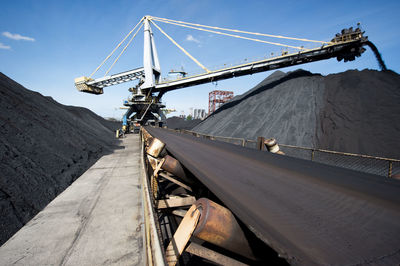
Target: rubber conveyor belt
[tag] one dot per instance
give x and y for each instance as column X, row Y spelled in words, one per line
column 308, row 212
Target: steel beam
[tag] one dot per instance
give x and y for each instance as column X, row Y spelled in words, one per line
column 320, row 53
column 174, row 202
column 117, row 78
column 312, row 55
column 211, row 255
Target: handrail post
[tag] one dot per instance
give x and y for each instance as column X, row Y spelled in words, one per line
column 390, row 169
column 260, row 143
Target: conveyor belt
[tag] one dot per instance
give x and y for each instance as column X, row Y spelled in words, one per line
column 308, row 212
column 312, row 55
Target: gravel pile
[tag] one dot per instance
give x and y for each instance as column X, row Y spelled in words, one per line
column 44, row 147
column 354, row 111
column 180, row 123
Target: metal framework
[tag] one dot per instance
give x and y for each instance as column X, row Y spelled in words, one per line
column 217, row 98
column 96, row 86
column 144, row 103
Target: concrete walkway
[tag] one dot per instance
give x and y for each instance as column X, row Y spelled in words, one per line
column 96, row 221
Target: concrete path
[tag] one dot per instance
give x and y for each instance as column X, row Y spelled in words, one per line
column 96, row 221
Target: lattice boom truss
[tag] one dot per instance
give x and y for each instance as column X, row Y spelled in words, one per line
column 217, row 98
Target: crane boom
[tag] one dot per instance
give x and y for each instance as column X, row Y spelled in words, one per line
column 144, row 103
column 324, row 52
column 96, row 86
column 321, row 53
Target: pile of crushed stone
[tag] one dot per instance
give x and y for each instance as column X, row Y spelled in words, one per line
column 44, row 147
column 354, row 111
column 180, row 123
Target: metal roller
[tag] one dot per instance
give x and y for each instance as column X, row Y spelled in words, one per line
column 272, row 146
column 155, row 147
column 174, row 167
column 218, row 226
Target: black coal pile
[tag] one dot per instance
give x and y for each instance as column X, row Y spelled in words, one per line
column 180, row 123
column 44, row 147
column 354, row 111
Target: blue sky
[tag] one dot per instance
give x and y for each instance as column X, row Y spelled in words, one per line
column 44, row 45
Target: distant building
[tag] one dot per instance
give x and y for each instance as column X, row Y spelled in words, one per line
column 217, row 98
column 199, row 114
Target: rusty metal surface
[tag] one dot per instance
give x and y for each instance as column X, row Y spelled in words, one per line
column 173, row 180
column 310, row 213
column 217, row 225
column 174, row 167
column 211, row 255
column 146, row 136
column 155, row 147
column 152, row 161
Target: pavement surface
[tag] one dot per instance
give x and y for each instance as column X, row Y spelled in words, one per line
column 95, row 221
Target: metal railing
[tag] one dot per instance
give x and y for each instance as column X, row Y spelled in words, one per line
column 364, row 163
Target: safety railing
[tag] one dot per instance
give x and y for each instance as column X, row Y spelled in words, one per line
column 365, row 163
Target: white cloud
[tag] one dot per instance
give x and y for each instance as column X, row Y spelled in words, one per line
column 17, row 36
column 5, row 47
column 190, row 38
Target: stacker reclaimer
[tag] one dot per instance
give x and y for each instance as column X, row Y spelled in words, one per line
column 144, row 104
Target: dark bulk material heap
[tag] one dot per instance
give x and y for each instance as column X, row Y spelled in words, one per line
column 44, row 147
column 180, row 123
column 354, row 111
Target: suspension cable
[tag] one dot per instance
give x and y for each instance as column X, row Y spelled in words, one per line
column 240, row 31
column 233, row 35
column 181, row 48
column 123, row 50
column 116, row 48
